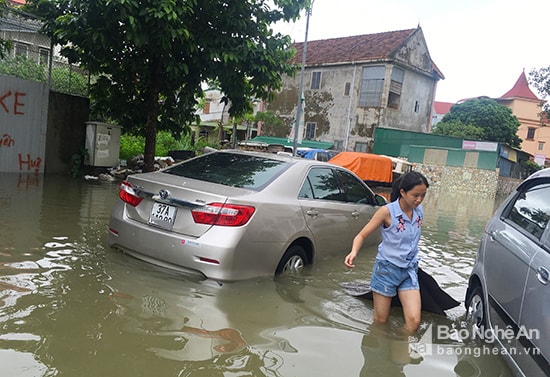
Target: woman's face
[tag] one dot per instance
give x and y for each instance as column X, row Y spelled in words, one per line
column 414, row 196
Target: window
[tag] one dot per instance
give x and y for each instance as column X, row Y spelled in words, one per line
column 360, row 147
column 321, row 184
column 316, row 80
column 372, row 85
column 206, row 108
column 541, row 146
column 21, row 49
column 354, row 190
column 231, row 169
column 416, row 107
column 347, row 89
column 394, row 98
column 43, row 56
column 530, row 133
column 531, row 209
column 310, row 130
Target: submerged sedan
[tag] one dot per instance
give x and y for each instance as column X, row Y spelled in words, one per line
column 234, row 215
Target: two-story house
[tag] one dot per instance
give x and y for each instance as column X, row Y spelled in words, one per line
column 527, row 107
column 354, row 84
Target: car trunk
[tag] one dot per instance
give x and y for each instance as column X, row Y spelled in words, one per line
column 169, row 200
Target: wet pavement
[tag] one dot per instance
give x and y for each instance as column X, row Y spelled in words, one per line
column 71, row 306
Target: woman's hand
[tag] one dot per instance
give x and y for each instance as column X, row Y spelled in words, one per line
column 348, row 261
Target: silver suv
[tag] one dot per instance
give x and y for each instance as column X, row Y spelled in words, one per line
column 508, row 295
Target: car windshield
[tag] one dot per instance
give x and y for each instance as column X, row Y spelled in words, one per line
column 231, row 169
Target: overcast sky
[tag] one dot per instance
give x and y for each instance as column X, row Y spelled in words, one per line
column 481, row 46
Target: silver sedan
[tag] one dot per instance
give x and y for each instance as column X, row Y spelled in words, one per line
column 233, row 215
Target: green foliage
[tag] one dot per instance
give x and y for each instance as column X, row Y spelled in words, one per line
column 77, row 163
column 270, row 121
column 151, row 56
column 540, row 79
column 63, row 79
column 530, row 167
column 24, row 68
column 131, row 145
column 458, row 129
column 66, row 80
column 495, row 120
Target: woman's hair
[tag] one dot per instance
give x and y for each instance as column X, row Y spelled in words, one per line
column 406, row 182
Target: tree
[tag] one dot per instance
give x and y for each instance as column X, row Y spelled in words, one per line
column 483, row 117
column 152, row 55
column 5, row 44
column 540, row 79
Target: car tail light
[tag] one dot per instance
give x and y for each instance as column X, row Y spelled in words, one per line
column 128, row 195
column 223, row 214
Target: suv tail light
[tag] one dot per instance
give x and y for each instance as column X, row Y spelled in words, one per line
column 128, row 195
column 223, row 214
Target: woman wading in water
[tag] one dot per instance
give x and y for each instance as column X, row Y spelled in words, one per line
column 396, row 264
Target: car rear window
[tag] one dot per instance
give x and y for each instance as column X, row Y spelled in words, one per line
column 231, row 169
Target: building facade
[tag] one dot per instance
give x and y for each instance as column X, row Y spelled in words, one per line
column 533, row 130
column 355, row 84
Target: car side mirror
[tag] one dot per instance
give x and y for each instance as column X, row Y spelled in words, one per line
column 380, row 200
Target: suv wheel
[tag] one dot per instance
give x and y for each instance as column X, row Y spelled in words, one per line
column 475, row 308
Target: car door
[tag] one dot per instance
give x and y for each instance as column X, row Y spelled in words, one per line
column 506, row 259
column 361, row 201
column 534, row 330
column 326, row 213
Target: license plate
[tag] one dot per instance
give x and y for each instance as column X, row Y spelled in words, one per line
column 163, row 215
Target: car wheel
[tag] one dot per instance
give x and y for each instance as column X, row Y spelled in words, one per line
column 293, row 261
column 475, row 308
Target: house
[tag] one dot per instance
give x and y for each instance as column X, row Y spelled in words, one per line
column 213, row 112
column 533, row 130
column 527, row 108
column 440, row 109
column 24, row 31
column 353, row 85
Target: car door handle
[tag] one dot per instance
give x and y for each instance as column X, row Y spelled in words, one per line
column 312, row 212
column 356, row 214
column 543, row 275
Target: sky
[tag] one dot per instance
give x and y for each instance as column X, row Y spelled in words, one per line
column 480, row 46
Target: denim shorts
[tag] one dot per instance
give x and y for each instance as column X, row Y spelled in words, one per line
column 387, row 278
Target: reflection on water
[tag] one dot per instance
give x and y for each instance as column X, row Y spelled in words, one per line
column 70, row 306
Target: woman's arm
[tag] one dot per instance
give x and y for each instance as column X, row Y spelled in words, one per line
column 381, row 217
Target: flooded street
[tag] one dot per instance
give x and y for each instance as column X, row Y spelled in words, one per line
column 71, row 306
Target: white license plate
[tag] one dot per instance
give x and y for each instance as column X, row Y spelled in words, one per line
column 163, row 215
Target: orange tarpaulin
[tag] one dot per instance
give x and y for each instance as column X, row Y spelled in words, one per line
column 367, row 166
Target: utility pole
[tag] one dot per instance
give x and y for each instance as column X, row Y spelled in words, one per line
column 300, row 109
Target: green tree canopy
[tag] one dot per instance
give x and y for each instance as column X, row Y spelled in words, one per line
column 540, row 79
column 152, row 55
column 481, row 119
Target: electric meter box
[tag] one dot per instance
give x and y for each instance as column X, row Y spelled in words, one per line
column 102, row 144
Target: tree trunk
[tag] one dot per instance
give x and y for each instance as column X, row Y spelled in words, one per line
column 152, row 103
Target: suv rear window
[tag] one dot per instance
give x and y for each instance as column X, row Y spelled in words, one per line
column 231, row 169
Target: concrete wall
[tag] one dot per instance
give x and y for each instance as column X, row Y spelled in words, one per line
column 470, row 181
column 66, row 132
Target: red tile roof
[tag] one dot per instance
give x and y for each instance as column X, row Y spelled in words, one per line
column 520, row 89
column 442, row 108
column 359, row 48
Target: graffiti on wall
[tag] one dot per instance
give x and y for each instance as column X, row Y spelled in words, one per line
column 23, row 111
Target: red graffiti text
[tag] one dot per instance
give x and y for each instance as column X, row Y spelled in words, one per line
column 12, row 101
column 30, row 164
column 6, row 141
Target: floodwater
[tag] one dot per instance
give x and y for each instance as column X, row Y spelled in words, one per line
column 71, row 306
